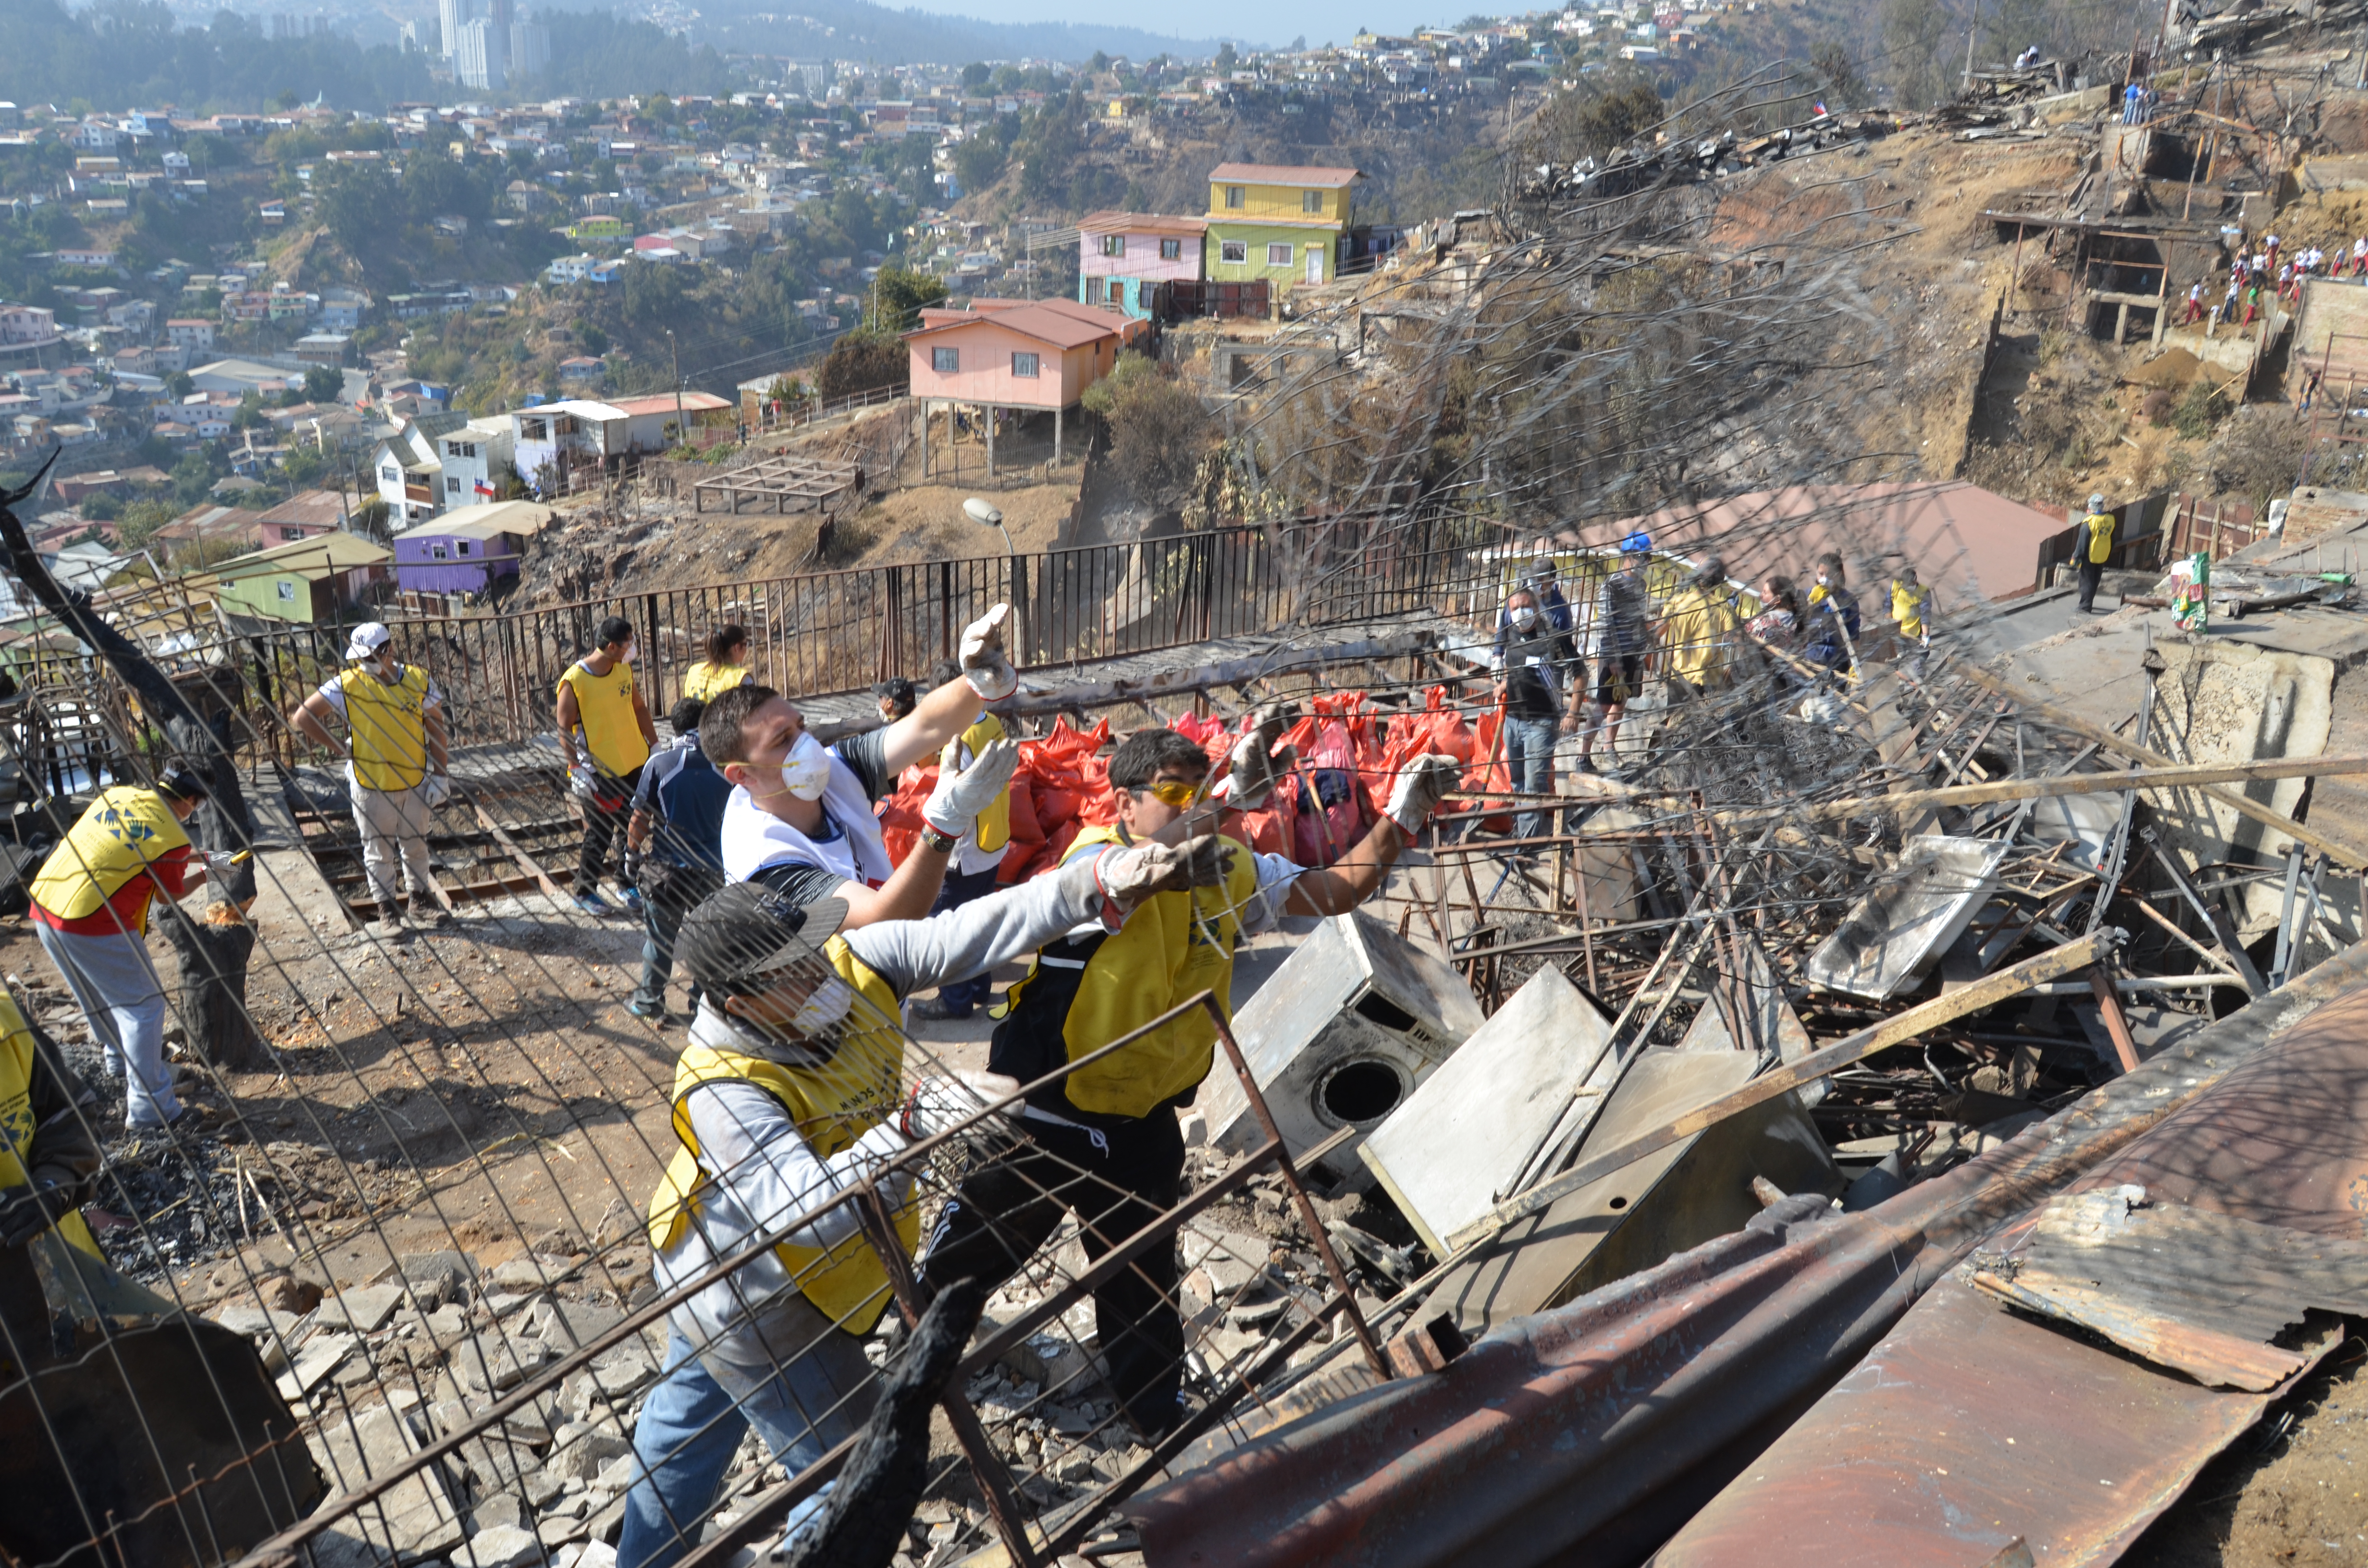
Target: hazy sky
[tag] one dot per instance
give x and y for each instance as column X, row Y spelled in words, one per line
column 1319, row 21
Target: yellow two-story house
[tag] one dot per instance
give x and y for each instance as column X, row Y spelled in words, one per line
column 1277, row 222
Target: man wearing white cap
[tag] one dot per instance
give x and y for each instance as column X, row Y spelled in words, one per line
column 397, row 766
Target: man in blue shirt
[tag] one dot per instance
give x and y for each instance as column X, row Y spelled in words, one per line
column 678, row 829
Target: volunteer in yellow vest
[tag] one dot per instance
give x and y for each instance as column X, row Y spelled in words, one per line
column 606, row 731
column 90, row 911
column 398, row 767
column 792, row 1087
column 971, row 873
column 1913, row 609
column 2093, row 546
column 49, row 1144
column 725, row 666
column 1116, row 1119
column 1700, row 628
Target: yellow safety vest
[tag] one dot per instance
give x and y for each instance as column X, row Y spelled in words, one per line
column 389, row 725
column 707, row 681
column 2100, row 536
column 1702, row 636
column 604, row 707
column 17, row 1116
column 993, row 825
column 124, row 830
column 833, row 1105
column 1907, row 608
column 1173, row 946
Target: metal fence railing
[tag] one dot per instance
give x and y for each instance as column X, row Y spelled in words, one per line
column 829, row 633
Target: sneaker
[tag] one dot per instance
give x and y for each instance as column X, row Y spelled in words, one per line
column 1586, row 765
column 633, row 899
column 930, row 1007
column 654, row 1011
column 592, row 904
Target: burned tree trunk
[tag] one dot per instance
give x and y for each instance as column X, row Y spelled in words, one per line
column 213, row 953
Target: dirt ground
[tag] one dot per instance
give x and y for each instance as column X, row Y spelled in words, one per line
column 2290, row 1493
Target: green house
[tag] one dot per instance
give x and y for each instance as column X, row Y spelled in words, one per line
column 1281, row 222
column 309, row 582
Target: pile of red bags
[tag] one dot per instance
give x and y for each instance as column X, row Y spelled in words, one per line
column 1345, row 768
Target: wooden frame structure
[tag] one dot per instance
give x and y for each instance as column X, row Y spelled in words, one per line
column 780, row 485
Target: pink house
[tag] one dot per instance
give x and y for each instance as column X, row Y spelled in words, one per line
column 1019, row 353
column 1123, row 257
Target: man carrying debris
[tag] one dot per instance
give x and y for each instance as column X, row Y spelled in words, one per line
column 791, row 1090
column 398, row 767
column 1103, row 1142
column 800, row 817
column 677, row 831
column 1535, row 665
column 606, row 732
column 977, row 858
column 90, row 911
column 2094, row 547
column 1620, row 635
column 1699, row 626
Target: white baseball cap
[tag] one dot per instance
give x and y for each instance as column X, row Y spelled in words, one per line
column 367, row 639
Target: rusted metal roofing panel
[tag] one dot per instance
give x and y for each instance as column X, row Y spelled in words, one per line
column 1973, row 1423
column 1599, row 1427
column 2199, row 1292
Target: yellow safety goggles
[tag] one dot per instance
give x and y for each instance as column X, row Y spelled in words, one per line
column 1173, row 791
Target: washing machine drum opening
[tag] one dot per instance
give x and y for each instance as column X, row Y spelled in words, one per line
column 1360, row 1092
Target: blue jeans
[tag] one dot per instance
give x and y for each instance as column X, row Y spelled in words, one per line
column 1529, row 756
column 663, row 909
column 964, row 996
column 692, row 1423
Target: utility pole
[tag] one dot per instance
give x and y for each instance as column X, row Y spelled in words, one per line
column 681, row 431
column 1970, row 28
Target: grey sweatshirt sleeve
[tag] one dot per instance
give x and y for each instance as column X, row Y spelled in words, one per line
column 770, row 1174
column 913, row 955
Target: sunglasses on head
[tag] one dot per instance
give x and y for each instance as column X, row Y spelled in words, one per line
column 1172, row 791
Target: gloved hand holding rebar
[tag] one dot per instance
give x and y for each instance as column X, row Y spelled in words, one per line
column 1131, row 875
column 983, row 662
column 1422, row 783
column 961, row 796
column 941, row 1104
column 1254, row 765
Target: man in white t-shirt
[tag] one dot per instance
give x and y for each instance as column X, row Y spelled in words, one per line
column 802, row 818
column 397, row 765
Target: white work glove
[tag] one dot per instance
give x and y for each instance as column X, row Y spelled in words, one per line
column 960, row 797
column 940, row 1104
column 218, row 864
column 1252, row 769
column 1422, row 783
column 1131, row 875
column 983, row 662
column 435, row 789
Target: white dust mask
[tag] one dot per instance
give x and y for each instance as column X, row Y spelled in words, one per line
column 806, row 772
column 831, row 1002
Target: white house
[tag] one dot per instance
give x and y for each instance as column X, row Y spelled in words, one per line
column 435, row 462
column 567, row 434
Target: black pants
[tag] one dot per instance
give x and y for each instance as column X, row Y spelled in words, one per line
column 2091, row 574
column 604, row 815
column 1115, row 1183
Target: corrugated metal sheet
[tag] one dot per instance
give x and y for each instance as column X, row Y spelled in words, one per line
column 1599, row 1427
column 1972, row 1423
column 2200, row 1292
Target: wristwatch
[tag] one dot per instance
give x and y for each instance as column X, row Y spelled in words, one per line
column 943, row 843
